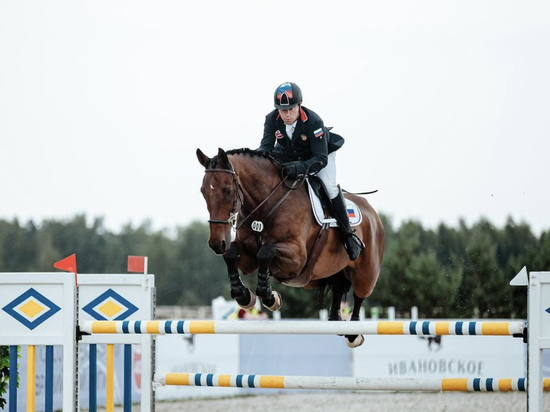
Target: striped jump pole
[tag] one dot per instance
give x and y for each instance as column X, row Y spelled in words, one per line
column 346, row 383
column 421, row 328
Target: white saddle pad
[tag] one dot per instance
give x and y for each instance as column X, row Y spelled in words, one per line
column 355, row 216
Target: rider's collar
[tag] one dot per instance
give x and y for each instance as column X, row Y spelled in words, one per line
column 303, row 115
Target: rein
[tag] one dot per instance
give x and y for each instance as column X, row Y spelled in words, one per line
column 274, row 208
column 239, row 197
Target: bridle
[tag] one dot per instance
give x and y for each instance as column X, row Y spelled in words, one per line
column 238, row 197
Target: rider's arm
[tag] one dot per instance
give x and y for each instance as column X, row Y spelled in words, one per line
column 318, row 137
column 268, row 141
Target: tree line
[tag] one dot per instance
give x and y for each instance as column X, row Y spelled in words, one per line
column 449, row 272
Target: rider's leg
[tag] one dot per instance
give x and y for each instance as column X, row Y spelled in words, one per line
column 353, row 244
column 328, row 175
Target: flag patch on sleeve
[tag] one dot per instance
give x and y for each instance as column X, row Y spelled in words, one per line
column 318, row 133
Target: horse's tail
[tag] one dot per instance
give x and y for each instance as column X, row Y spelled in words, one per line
column 338, row 283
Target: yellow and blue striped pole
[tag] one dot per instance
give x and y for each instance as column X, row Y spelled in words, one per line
column 421, row 328
column 346, row 383
column 31, row 379
column 110, row 399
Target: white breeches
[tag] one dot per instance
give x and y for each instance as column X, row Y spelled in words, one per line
column 328, row 176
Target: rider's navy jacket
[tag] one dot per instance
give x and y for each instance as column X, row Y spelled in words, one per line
column 310, row 144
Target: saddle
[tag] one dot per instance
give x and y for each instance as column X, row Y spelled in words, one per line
column 322, row 210
column 321, row 205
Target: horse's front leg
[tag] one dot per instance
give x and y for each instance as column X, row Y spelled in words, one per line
column 270, row 299
column 244, row 296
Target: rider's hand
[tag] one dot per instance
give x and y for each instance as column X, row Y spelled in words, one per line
column 289, row 170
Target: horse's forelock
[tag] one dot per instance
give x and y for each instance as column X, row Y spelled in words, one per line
column 214, row 162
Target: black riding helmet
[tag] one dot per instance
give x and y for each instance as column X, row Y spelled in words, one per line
column 287, row 95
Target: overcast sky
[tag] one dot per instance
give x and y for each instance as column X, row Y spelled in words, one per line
column 444, row 104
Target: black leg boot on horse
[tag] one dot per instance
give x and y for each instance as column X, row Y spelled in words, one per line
column 270, row 299
column 352, row 243
column 339, row 286
column 244, row 296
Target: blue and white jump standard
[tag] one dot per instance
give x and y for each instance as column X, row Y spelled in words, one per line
column 39, row 309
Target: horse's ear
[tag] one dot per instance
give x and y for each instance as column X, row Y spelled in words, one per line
column 203, row 159
column 223, row 161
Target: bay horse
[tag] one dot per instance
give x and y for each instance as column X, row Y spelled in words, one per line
column 276, row 231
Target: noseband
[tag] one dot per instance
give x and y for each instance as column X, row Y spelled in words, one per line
column 238, row 197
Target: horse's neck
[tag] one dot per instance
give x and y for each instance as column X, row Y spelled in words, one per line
column 258, row 178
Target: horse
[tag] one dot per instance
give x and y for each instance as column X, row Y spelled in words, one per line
column 276, row 231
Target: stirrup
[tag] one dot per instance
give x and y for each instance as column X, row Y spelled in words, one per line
column 357, row 239
column 356, row 246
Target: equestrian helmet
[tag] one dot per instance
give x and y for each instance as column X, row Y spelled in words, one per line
column 287, row 95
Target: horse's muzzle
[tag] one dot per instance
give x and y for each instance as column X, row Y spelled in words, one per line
column 219, row 247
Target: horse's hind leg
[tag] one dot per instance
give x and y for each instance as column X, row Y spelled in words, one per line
column 339, row 286
column 270, row 299
column 354, row 341
column 244, row 296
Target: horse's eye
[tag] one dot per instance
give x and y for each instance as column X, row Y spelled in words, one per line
column 227, row 191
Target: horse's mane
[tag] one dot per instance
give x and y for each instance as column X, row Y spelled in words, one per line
column 251, row 152
column 245, row 151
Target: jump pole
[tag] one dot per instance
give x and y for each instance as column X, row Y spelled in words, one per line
column 418, row 328
column 345, row 383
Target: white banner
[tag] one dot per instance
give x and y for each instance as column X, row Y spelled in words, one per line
column 440, row 357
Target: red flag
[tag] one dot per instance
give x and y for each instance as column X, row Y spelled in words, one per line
column 68, row 265
column 137, row 264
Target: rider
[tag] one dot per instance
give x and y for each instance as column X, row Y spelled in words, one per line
column 297, row 137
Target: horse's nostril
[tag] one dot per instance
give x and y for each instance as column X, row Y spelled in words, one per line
column 218, row 246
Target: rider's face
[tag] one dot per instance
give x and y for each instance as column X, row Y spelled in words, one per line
column 289, row 116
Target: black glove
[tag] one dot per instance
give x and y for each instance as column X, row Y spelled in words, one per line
column 289, row 170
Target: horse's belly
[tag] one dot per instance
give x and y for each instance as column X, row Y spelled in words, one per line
column 295, row 282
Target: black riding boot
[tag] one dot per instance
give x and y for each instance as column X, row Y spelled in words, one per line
column 352, row 243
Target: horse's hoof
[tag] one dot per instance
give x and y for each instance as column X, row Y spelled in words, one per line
column 278, row 302
column 358, row 341
column 252, row 302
